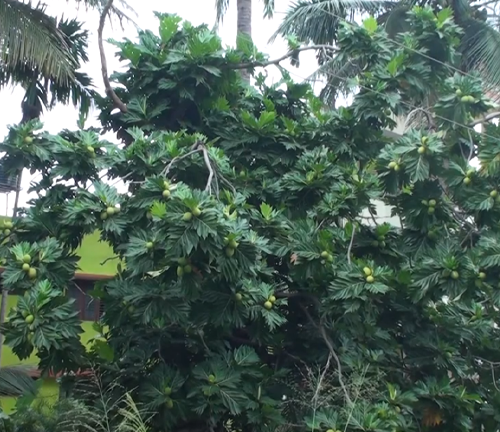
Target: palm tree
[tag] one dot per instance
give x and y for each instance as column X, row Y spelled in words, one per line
column 44, row 90
column 244, row 19
column 30, row 38
column 317, row 22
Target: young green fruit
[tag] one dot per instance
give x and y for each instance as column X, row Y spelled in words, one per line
column 229, row 252
column 470, row 173
column 396, row 168
column 211, row 379
column 27, row 259
column 329, row 258
column 167, row 391
column 268, row 305
column 458, row 92
column 6, row 232
column 238, row 297
column 367, row 271
column 432, row 203
column 131, row 309
column 180, row 271
column 90, row 149
column 32, row 273
column 421, row 150
column 324, row 254
column 196, row 212
column 424, row 140
column 110, row 211
column 26, row 267
column 233, row 244
column 370, row 279
column 467, row 181
column 28, row 140
column 8, row 224
column 165, row 193
column 431, row 210
column 182, row 261
column 170, row 403
column 186, row 217
column 454, row 275
column 188, row 269
column 272, row 299
column 29, row 319
column 104, row 216
column 149, row 245
column 166, row 185
column 482, row 275
column 25, row 314
column 392, row 164
column 493, row 194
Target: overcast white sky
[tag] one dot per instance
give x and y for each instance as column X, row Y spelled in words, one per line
column 195, row 11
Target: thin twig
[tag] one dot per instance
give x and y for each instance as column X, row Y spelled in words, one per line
column 321, row 379
column 278, row 60
column 471, row 153
column 208, row 187
column 109, row 259
column 104, row 66
column 329, row 344
column 486, row 118
column 176, row 159
column 351, row 243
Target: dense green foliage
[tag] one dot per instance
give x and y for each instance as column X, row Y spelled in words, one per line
column 319, row 22
column 257, row 292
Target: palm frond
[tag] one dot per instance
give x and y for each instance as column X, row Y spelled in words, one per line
column 221, row 7
column 317, row 21
column 480, row 48
column 15, row 381
column 28, row 36
column 46, row 91
column 268, row 8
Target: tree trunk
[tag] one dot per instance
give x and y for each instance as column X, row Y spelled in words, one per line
column 244, row 27
column 5, row 292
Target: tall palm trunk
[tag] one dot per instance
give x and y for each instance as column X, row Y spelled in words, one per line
column 244, row 26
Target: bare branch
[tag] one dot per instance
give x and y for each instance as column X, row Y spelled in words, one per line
column 349, row 249
column 329, row 344
column 104, row 66
column 278, row 60
column 486, row 118
column 210, row 170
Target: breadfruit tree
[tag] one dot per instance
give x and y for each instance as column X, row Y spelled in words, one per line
column 256, row 289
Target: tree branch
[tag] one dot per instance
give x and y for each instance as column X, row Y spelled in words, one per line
column 486, row 118
column 329, row 344
column 104, row 66
column 278, row 60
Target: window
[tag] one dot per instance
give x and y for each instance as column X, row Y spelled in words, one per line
column 88, row 307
